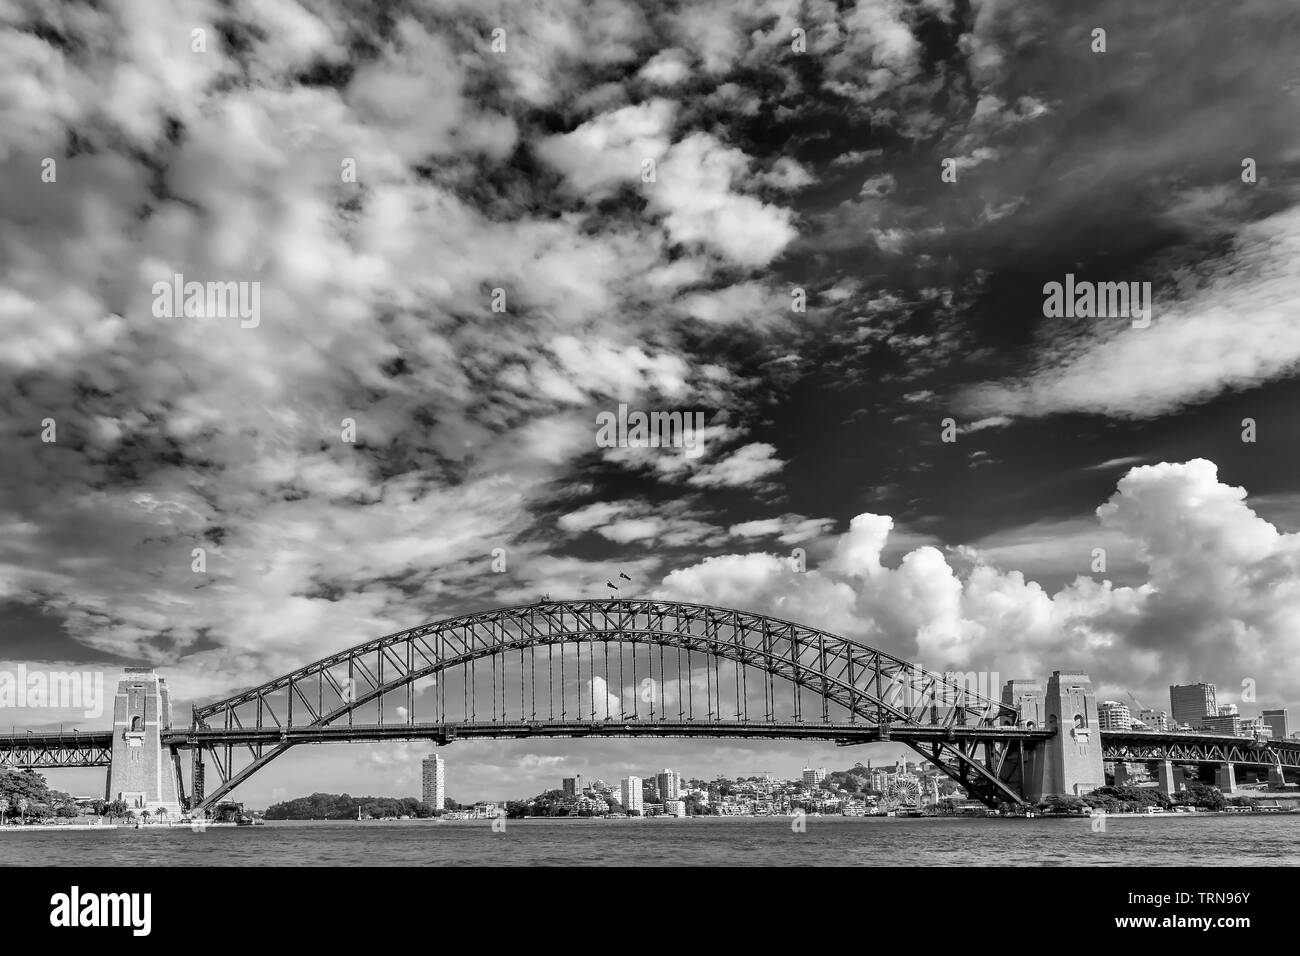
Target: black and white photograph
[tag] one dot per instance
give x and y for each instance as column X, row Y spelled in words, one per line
column 452, row 434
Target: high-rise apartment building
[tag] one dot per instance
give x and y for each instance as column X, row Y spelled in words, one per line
column 435, row 781
column 1192, row 703
column 631, row 795
column 572, row 786
column 1114, row 715
column 669, row 784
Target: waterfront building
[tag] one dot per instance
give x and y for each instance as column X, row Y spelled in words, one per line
column 572, row 786
column 675, row 808
column 596, row 805
column 632, row 799
column 435, row 781
column 813, row 778
column 668, row 783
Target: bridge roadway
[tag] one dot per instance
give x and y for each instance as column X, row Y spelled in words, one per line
column 31, row 750
column 40, row 749
column 845, row 734
column 37, row 750
column 1145, row 746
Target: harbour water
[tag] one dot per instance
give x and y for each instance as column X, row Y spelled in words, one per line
column 1253, row 840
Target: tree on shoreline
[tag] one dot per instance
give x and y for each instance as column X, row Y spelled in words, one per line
column 1126, row 799
column 40, row 800
column 1203, row 796
column 331, row 806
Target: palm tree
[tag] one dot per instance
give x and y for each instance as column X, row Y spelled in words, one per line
column 145, row 815
column 22, row 809
column 162, row 814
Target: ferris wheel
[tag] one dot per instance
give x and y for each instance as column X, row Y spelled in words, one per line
column 904, row 791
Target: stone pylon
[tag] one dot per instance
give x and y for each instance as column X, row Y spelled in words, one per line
column 1070, row 763
column 141, row 774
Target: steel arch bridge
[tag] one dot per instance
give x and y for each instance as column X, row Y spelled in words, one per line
column 616, row 667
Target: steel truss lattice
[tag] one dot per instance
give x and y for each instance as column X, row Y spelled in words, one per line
column 968, row 735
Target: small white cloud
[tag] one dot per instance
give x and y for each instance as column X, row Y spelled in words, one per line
column 748, row 465
column 666, row 68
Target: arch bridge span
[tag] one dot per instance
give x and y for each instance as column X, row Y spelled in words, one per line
column 616, row 667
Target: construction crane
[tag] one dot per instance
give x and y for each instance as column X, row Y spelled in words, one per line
column 1137, row 719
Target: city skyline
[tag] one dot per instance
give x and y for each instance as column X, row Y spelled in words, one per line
column 633, row 786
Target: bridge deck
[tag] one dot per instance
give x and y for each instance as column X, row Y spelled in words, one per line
column 847, row 732
column 39, row 738
column 1138, row 746
column 33, row 750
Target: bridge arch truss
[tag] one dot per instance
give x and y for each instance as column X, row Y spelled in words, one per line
column 758, row 676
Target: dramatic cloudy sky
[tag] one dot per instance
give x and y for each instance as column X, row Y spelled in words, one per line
column 776, row 170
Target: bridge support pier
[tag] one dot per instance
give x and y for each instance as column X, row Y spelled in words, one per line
column 1168, row 778
column 1275, row 777
column 1071, row 761
column 140, row 772
column 1226, row 778
column 1122, row 776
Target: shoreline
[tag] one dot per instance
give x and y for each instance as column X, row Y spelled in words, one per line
column 91, row 827
column 60, row 826
column 572, row 821
column 784, row 818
